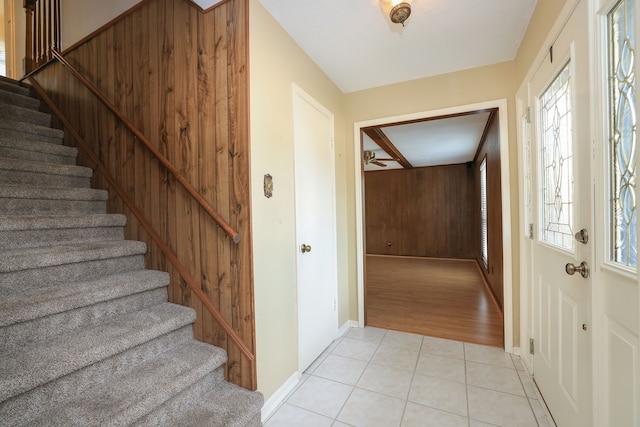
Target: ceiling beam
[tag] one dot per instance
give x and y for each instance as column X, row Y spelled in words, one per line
column 376, row 134
column 444, row 116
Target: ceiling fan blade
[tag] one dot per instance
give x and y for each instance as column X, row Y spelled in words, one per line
column 377, row 163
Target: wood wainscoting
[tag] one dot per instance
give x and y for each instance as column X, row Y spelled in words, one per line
column 444, row 298
column 180, row 75
column 424, row 212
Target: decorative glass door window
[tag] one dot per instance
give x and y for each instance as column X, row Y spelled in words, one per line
column 556, row 163
column 622, row 134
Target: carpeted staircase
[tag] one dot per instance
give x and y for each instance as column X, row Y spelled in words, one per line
column 87, row 337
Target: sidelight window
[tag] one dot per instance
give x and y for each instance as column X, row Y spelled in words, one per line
column 622, row 134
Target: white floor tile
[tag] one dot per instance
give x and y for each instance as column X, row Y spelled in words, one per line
column 422, row 416
column 442, row 367
column 367, row 334
column 321, row 396
column 440, row 394
column 316, row 363
column 341, row 369
column 501, row 409
column 527, row 384
column 333, row 345
column 396, row 357
column 386, row 380
column 443, row 347
column 368, row 409
column 489, row 355
column 476, row 423
column 375, row 377
column 292, row 416
column 494, row 377
column 517, row 361
column 403, row 340
column 356, row 349
column 541, row 414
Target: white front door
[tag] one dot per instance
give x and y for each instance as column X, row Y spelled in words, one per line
column 315, row 227
column 563, row 205
column 616, row 303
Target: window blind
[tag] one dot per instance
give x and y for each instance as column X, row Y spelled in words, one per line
column 483, row 212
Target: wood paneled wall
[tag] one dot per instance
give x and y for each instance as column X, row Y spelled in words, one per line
column 491, row 150
column 428, row 212
column 181, row 76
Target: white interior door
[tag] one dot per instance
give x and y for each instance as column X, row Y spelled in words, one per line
column 563, row 205
column 315, row 227
column 616, row 303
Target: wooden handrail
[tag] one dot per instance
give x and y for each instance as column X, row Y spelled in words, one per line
column 161, row 158
column 166, row 250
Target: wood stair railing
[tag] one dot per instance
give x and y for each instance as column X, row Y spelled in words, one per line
column 42, row 32
column 144, row 222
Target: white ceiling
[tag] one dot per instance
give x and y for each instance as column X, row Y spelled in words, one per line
column 356, row 45
column 444, row 141
column 206, row 4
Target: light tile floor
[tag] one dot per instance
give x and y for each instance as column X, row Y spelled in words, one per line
column 375, row 377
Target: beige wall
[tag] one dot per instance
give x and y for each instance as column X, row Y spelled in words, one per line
column 540, row 24
column 82, row 17
column 277, row 62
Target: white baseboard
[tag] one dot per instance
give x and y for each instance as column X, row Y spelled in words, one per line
column 271, row 405
column 516, row 351
column 347, row 325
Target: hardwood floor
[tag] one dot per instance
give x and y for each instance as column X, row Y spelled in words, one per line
column 430, row 296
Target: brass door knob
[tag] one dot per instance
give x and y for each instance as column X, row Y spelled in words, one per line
column 583, row 269
column 305, row 248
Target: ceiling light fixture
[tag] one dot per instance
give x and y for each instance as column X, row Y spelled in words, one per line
column 398, row 10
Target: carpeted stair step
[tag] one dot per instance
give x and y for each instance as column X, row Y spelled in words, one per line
column 25, row 200
column 34, row 366
column 38, row 151
column 128, row 398
column 22, row 408
column 208, row 404
column 29, row 231
column 24, row 115
column 43, row 329
column 10, row 85
column 11, row 129
column 18, row 99
column 23, row 306
column 24, row 172
column 36, row 267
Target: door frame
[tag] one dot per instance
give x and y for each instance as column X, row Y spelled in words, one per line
column 501, row 105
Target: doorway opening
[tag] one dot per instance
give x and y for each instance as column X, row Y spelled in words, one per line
column 504, row 290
